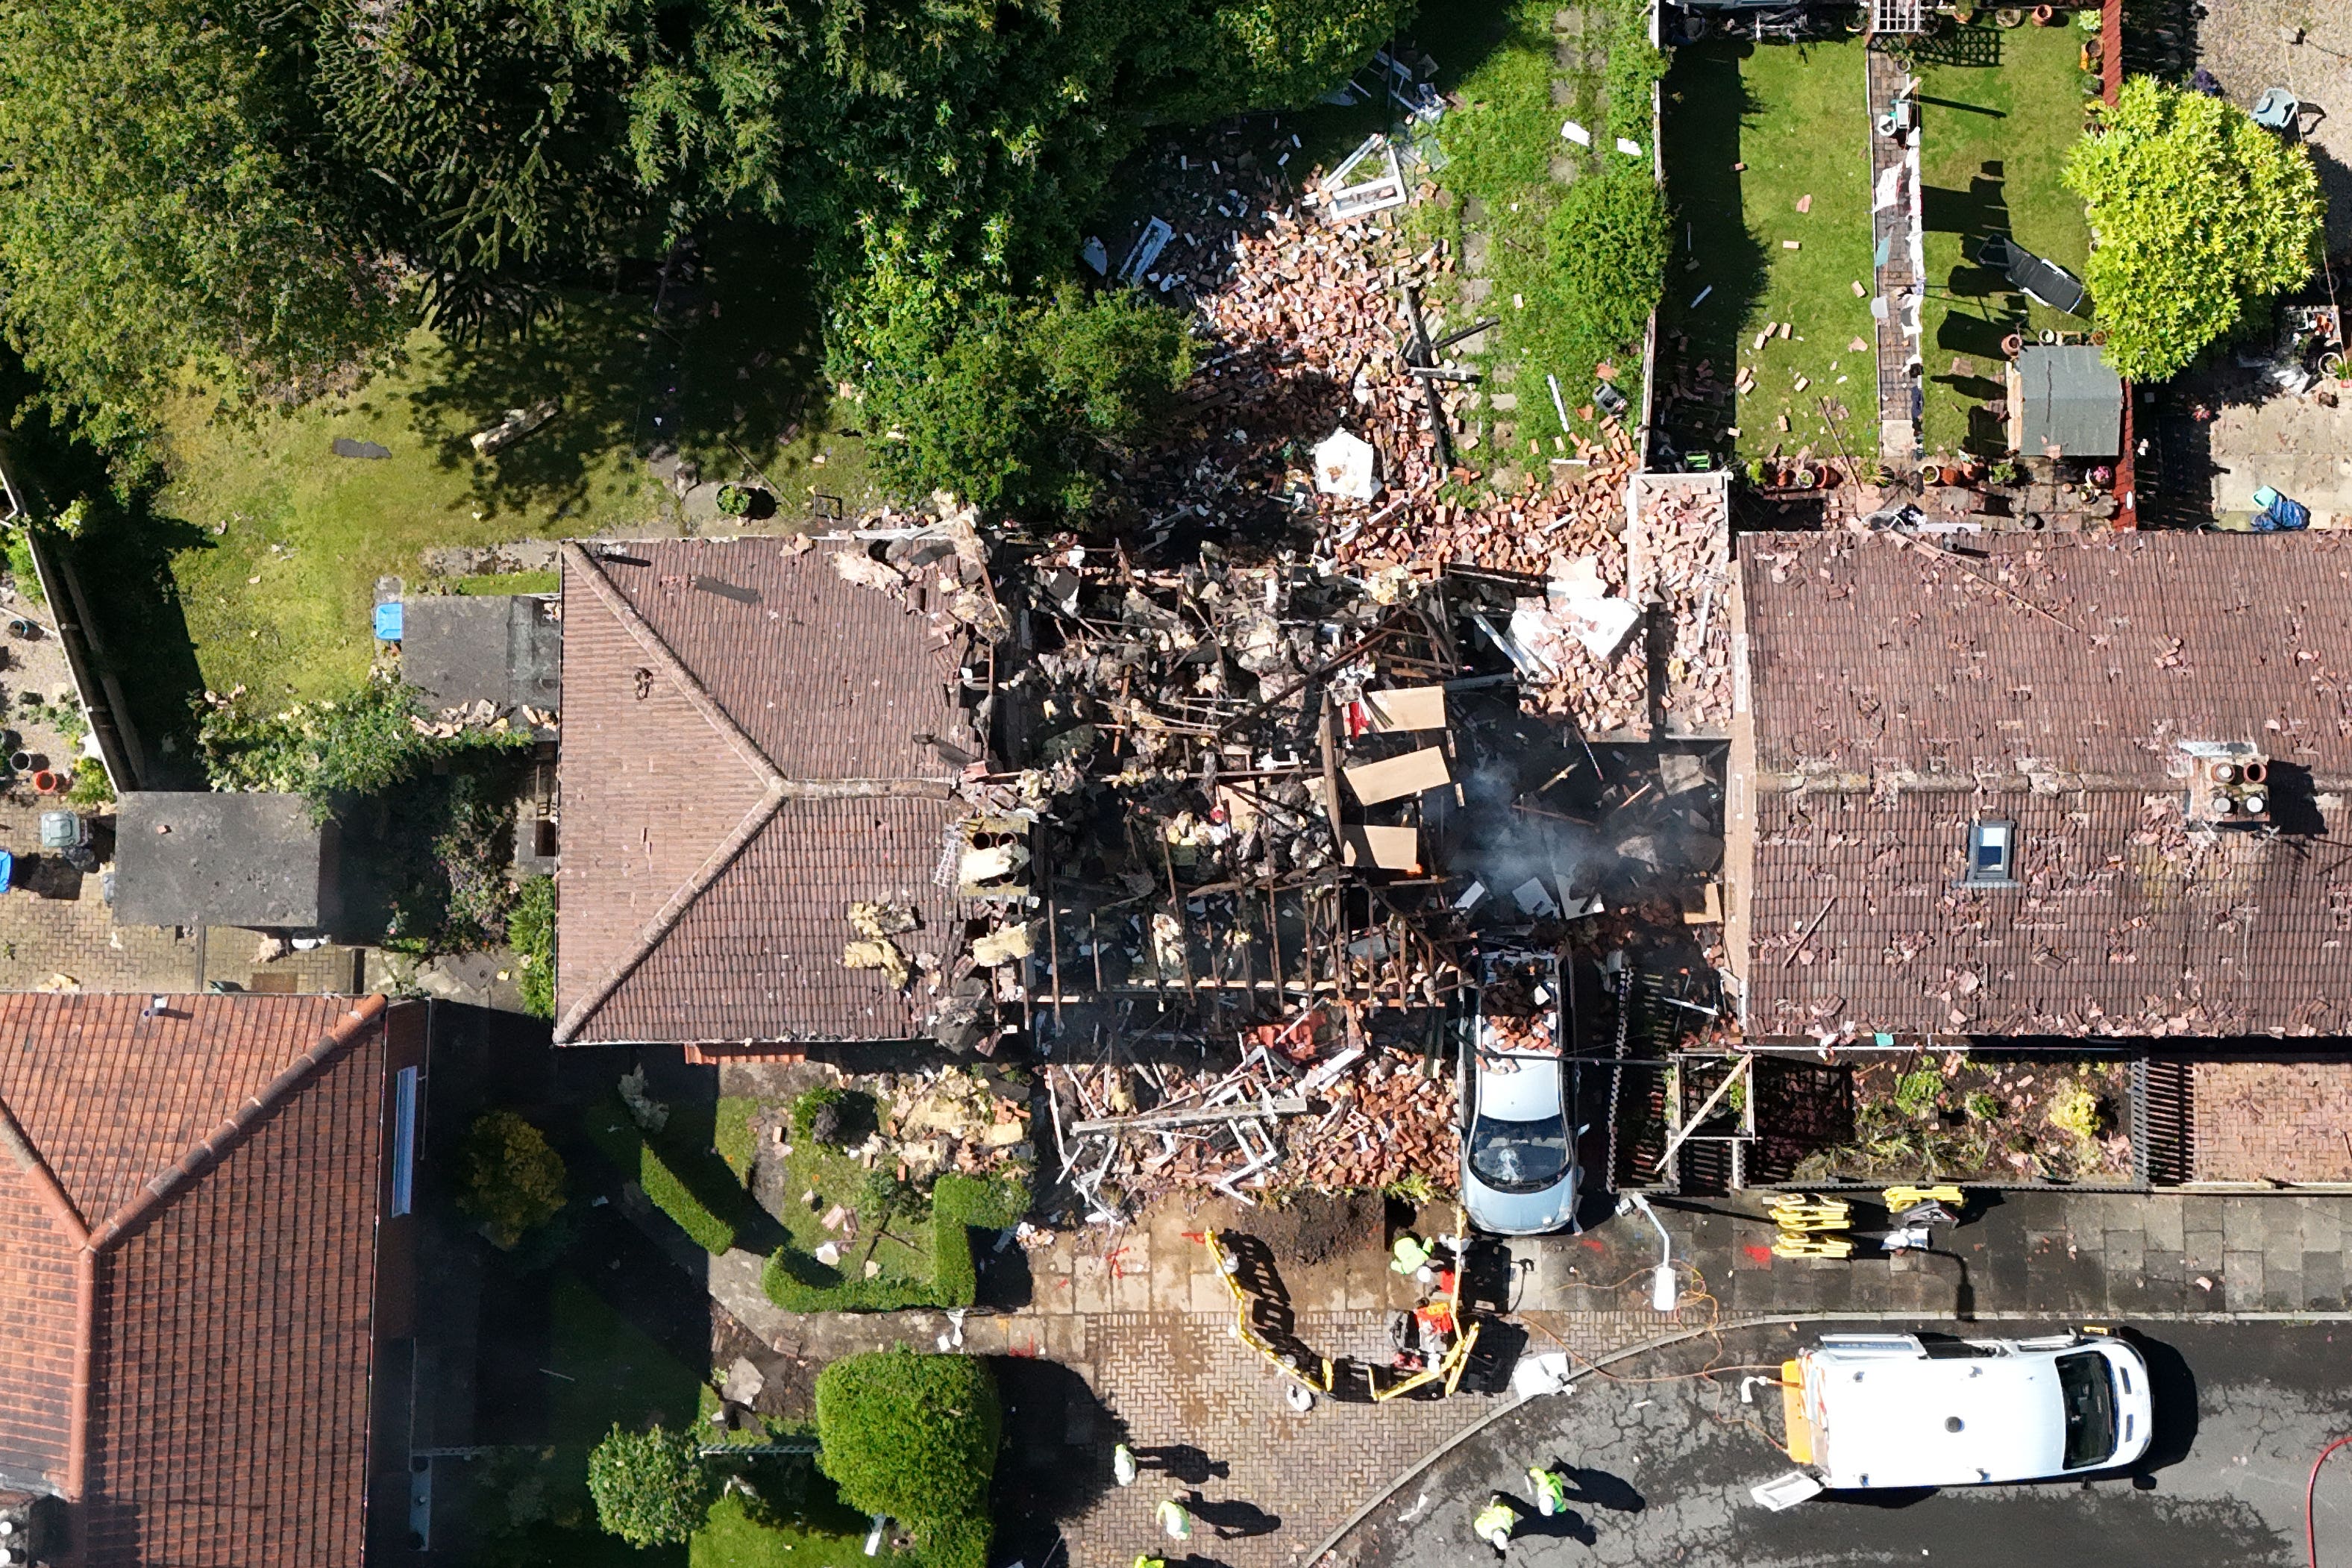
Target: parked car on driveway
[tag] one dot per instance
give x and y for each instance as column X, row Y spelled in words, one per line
column 1519, row 1173
column 1870, row 1411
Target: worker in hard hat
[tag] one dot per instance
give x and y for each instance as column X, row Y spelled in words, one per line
column 1123, row 1467
column 1550, row 1489
column 1174, row 1520
column 1494, row 1523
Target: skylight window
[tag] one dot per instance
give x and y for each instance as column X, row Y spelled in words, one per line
column 1992, row 854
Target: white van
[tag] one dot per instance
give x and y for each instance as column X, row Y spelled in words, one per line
column 1867, row 1410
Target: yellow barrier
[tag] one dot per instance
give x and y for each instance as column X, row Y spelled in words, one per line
column 1449, row 1368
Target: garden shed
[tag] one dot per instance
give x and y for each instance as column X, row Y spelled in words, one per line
column 506, row 649
column 2064, row 401
column 197, row 858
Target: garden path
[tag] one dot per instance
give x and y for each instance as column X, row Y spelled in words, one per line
column 1895, row 228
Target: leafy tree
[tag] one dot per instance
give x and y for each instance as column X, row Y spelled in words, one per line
column 160, row 215
column 1029, row 408
column 513, row 1177
column 913, row 1436
column 1609, row 240
column 2197, row 216
column 652, row 1489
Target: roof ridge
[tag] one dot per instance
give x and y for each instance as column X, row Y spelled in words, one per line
column 368, row 1010
column 658, row 648
column 45, row 1185
column 210, row 1147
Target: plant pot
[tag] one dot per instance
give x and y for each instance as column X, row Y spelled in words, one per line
column 2010, row 17
column 20, row 762
column 48, row 781
column 2012, row 345
column 1805, row 478
column 1950, row 474
column 2043, row 15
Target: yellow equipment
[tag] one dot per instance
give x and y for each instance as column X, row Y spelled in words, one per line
column 1901, row 1198
column 1801, row 1219
column 1448, row 1368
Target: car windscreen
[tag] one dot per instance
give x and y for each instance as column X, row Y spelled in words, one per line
column 2089, row 1397
column 1519, row 1156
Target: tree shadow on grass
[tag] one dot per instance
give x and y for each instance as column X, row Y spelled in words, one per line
column 1708, row 110
column 712, row 365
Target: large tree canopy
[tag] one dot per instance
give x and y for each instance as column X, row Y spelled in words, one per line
column 255, row 191
column 2196, row 213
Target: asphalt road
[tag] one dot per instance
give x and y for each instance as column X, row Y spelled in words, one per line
column 1661, row 1469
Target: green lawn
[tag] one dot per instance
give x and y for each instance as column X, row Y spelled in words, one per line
column 266, row 545
column 1996, row 138
column 1794, row 116
column 1501, row 146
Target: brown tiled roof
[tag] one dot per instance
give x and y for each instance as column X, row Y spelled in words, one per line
column 187, row 1242
column 746, row 750
column 1896, row 696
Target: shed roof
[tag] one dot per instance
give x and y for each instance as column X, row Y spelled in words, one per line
column 193, row 858
column 190, row 1215
column 504, row 649
column 2069, row 401
column 751, row 743
column 1894, row 696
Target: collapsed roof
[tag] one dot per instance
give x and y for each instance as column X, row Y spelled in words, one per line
column 1894, row 696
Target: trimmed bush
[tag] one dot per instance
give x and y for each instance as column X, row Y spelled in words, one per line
column 652, row 1489
column 914, row 1436
column 656, row 1170
column 514, row 1179
column 799, row 1281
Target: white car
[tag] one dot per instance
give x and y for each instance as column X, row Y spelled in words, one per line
column 1519, row 1174
column 1872, row 1410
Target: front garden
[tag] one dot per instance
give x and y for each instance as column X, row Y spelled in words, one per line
column 1952, row 1116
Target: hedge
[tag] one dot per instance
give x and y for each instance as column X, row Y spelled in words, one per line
column 616, row 1134
column 914, row 1436
column 799, row 1281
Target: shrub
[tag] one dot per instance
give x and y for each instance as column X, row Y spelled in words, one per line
column 513, row 1177
column 1609, row 239
column 20, row 565
column 1028, row 406
column 1915, row 1092
column 359, row 743
column 658, row 1172
column 2076, row 1110
column 734, row 501
column 530, row 931
column 652, row 1489
column 914, row 1436
column 91, row 785
column 1983, row 1106
column 828, row 1113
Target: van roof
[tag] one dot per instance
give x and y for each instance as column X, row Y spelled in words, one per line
column 1884, row 1421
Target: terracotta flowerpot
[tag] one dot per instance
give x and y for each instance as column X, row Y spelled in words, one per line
column 2012, row 345
column 2043, row 15
column 48, row 782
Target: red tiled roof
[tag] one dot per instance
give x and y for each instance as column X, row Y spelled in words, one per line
column 746, row 750
column 201, row 1261
column 1897, row 696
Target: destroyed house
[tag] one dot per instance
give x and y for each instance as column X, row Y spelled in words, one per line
column 2074, row 786
column 207, row 1278
column 760, row 749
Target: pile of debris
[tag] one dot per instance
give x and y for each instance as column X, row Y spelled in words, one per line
column 1678, row 556
column 1358, row 1117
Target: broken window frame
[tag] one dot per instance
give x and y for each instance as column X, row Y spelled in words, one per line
column 1983, row 835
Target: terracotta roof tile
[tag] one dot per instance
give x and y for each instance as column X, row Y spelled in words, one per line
column 708, row 686
column 231, row 1356
column 1895, row 698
